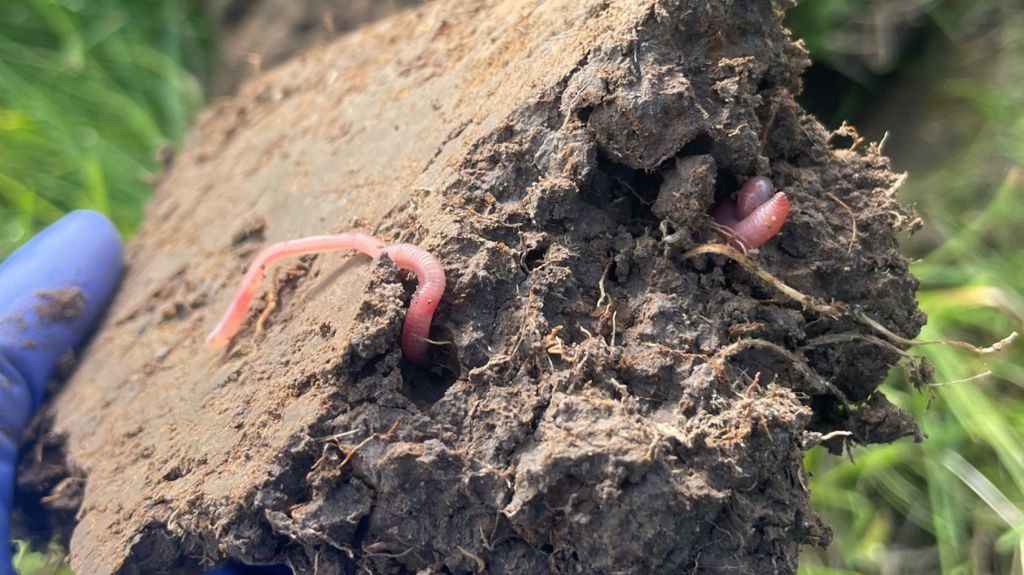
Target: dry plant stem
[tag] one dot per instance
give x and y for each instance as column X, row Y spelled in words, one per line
column 853, row 220
column 427, row 268
column 837, row 309
column 834, row 434
column 977, row 377
column 271, row 301
column 994, row 348
column 744, row 344
column 834, row 338
column 748, row 264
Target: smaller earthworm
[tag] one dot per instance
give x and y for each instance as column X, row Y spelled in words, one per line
column 755, row 216
column 416, row 329
column 753, row 193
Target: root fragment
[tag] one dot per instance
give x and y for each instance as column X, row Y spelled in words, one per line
column 272, row 299
column 351, row 452
column 847, row 130
column 718, row 360
column 839, row 309
column 853, row 221
column 481, row 566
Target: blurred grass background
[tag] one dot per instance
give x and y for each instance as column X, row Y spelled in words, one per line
column 89, row 91
column 945, row 78
column 92, row 90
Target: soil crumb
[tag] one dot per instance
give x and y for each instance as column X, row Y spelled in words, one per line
column 61, row 305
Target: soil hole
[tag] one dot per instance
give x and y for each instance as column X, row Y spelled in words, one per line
column 726, row 184
column 697, row 147
column 424, row 387
column 237, row 10
column 828, row 412
column 626, row 193
column 48, row 491
column 238, row 567
column 370, row 368
column 534, row 257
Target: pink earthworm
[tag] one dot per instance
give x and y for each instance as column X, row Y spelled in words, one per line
column 416, row 329
column 764, row 222
column 753, row 193
column 755, row 216
column 430, row 286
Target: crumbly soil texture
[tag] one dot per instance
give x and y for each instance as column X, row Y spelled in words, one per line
column 600, row 401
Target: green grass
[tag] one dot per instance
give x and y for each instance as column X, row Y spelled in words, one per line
column 89, row 90
column 50, row 562
column 954, row 503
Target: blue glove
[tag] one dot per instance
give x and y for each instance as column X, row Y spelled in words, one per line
column 53, row 291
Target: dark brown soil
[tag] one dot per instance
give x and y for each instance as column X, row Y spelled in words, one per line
column 601, row 404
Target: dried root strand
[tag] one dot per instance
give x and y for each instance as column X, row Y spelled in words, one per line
column 838, row 309
column 853, row 221
column 719, row 359
column 994, row 348
column 272, row 301
column 748, row 264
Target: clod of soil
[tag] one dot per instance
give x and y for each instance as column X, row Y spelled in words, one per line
column 61, row 305
column 599, row 403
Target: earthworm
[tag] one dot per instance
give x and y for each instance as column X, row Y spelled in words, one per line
column 430, row 286
column 725, row 213
column 416, row 329
column 764, row 222
column 753, row 193
column 755, row 216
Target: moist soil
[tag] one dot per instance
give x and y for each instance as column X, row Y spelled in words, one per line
column 598, row 401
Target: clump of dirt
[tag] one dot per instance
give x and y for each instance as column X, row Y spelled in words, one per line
column 60, row 305
column 603, row 400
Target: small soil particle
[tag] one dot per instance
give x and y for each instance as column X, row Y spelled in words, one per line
column 60, row 305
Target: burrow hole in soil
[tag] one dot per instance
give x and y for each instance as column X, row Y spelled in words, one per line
column 534, row 257
column 629, row 193
column 625, row 192
column 425, row 386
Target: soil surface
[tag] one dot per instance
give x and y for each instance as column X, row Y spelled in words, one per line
column 598, row 401
column 260, row 34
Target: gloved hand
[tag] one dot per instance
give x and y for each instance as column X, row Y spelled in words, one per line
column 53, row 291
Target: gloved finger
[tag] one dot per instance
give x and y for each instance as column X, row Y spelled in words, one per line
column 8, row 459
column 53, row 290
